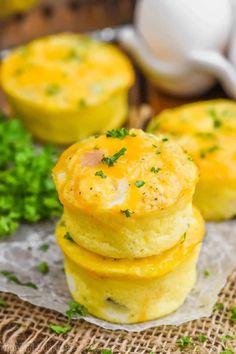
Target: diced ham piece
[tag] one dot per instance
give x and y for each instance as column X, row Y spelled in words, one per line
column 92, row 158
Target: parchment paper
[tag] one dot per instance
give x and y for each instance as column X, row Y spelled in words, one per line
column 21, row 254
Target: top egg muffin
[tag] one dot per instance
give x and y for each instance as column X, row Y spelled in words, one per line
column 127, row 193
column 207, row 132
column 67, row 86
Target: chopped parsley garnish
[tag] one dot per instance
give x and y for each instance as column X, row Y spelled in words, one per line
column 218, row 306
column 139, row 184
column 216, row 119
column 205, row 135
column 158, row 152
column 202, row 338
column 227, row 351
column 127, row 212
column 43, row 267
column 52, row 89
column 75, row 309
column 13, row 278
column 111, row 160
column 233, row 314
column 3, row 303
column 165, row 139
column 44, row 247
column 82, row 103
column 119, row 133
column 27, row 192
column 206, row 273
column 100, row 174
column 155, row 170
column 226, row 337
column 60, row 329
column 72, row 55
column 68, row 237
column 106, row 351
column 210, row 150
column 184, row 342
column 183, row 238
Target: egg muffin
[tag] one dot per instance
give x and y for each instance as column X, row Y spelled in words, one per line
column 67, row 86
column 9, row 7
column 126, row 194
column 132, row 290
column 207, row 132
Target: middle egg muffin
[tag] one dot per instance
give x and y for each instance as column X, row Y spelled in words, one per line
column 126, row 194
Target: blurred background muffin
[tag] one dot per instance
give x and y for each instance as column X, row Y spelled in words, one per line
column 207, row 132
column 67, row 86
column 11, row 7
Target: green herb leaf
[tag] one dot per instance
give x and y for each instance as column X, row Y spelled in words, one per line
column 216, row 119
column 3, row 303
column 155, row 170
column 75, row 309
column 111, row 160
column 227, row 351
column 52, row 89
column 27, row 192
column 106, row 351
column 206, row 273
column 184, row 342
column 226, row 337
column 139, row 184
column 210, row 150
column 68, row 237
column 119, row 133
column 60, row 329
column 165, row 139
column 218, row 307
column 202, row 338
column 127, row 212
column 82, row 103
column 43, row 267
column 183, row 238
column 13, row 278
column 44, row 247
column 233, row 314
column 100, row 174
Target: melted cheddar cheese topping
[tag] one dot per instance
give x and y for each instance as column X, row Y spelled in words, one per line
column 133, row 175
column 207, row 132
column 66, row 71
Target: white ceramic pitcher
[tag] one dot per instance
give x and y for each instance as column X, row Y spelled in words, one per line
column 180, row 44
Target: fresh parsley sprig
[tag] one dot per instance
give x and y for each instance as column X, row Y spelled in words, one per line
column 119, row 133
column 111, row 160
column 75, row 309
column 27, row 192
column 13, row 278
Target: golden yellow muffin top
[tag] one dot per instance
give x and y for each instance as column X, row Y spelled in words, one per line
column 124, row 172
column 147, row 267
column 66, row 71
column 206, row 131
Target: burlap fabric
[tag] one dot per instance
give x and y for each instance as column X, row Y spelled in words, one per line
column 24, row 330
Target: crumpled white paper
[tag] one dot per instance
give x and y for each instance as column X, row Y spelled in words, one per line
column 21, row 254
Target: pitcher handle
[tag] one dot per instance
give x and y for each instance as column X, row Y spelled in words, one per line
column 215, row 64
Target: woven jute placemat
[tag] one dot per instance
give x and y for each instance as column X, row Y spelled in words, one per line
column 24, row 330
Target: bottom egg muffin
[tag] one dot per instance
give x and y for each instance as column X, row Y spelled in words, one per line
column 132, row 290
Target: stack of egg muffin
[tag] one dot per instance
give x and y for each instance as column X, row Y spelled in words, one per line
column 129, row 233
